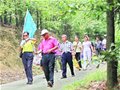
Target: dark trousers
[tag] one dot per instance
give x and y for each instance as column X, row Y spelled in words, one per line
column 77, row 57
column 67, row 58
column 48, row 63
column 27, row 59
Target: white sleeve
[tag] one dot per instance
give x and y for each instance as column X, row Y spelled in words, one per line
column 104, row 42
column 22, row 43
column 90, row 43
column 83, row 44
column 79, row 44
column 71, row 46
column 61, row 47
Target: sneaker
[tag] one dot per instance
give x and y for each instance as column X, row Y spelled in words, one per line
column 63, row 77
column 84, row 69
column 50, row 84
column 29, row 83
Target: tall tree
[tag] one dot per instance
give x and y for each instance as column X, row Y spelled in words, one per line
column 111, row 64
column 37, row 15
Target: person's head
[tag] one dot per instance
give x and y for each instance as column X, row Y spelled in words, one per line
column 76, row 38
column 64, row 37
column 45, row 34
column 86, row 38
column 97, row 38
column 25, row 35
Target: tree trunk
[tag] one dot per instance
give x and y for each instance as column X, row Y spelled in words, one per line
column 1, row 20
column 41, row 24
column 16, row 15
column 5, row 17
column 37, row 12
column 10, row 20
column 16, row 19
column 21, row 19
column 111, row 64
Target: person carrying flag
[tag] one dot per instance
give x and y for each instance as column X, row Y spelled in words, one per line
column 27, row 45
column 27, row 48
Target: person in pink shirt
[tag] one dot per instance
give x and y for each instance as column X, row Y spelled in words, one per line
column 47, row 47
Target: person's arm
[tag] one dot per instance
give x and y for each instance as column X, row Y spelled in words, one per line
column 74, row 45
column 73, row 51
column 33, row 40
column 55, row 42
column 92, row 48
column 61, row 48
column 50, row 50
column 72, row 48
column 39, row 50
column 21, row 45
column 82, row 47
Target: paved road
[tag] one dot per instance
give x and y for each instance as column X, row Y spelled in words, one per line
column 40, row 83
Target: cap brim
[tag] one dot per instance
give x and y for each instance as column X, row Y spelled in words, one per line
column 43, row 33
column 24, row 34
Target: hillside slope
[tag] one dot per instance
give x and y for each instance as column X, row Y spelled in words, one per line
column 11, row 68
column 10, row 63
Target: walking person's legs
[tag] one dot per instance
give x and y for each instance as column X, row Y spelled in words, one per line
column 60, row 63
column 85, row 60
column 51, row 67
column 29, row 66
column 97, row 52
column 56, row 64
column 24, row 61
column 27, row 59
column 77, row 57
column 89, row 55
column 70, row 63
column 64, row 67
column 45, row 64
column 48, row 62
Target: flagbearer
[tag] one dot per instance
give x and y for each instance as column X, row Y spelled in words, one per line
column 27, row 47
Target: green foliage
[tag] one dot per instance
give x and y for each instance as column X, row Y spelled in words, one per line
column 111, row 54
column 61, row 16
column 95, row 76
column 119, row 69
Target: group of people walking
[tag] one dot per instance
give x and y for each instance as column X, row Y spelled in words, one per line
column 51, row 49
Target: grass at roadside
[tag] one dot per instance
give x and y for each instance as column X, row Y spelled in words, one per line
column 98, row 75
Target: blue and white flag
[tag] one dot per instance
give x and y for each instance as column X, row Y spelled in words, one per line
column 29, row 25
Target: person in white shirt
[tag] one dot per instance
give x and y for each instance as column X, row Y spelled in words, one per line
column 77, row 50
column 87, row 52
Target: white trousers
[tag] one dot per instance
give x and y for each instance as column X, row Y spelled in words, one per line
column 87, row 55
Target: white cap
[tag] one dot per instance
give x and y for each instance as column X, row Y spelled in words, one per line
column 44, row 31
